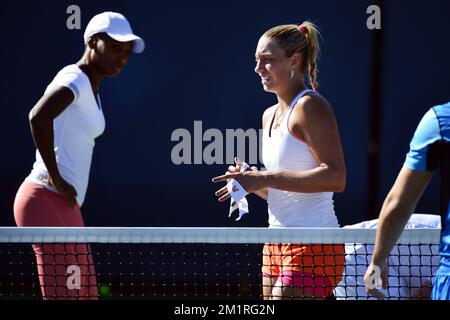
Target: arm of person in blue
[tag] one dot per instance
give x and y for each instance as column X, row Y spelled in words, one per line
column 429, row 149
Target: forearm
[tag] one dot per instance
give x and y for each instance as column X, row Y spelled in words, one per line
column 42, row 132
column 263, row 193
column 393, row 218
column 397, row 208
column 320, row 179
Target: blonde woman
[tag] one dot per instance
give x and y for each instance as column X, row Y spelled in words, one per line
column 305, row 165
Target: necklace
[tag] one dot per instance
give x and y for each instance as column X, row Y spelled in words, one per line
column 278, row 119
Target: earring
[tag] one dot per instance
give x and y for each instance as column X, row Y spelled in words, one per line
column 292, row 74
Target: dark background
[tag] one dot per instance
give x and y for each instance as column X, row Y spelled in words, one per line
column 198, row 65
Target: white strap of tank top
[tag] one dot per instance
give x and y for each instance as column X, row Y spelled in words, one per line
column 238, row 193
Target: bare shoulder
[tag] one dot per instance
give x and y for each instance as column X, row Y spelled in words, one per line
column 313, row 105
column 312, row 116
column 268, row 113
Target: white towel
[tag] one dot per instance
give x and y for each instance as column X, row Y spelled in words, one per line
column 238, row 193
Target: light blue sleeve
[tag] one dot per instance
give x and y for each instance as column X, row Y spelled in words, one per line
column 420, row 156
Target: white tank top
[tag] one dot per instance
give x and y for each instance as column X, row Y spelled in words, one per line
column 283, row 151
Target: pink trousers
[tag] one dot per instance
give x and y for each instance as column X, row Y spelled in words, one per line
column 66, row 271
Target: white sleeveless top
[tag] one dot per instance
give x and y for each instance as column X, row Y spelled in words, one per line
column 283, row 151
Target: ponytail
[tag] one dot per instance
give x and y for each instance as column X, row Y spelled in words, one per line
column 312, row 52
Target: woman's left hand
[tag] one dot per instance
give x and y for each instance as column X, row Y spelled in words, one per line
column 251, row 181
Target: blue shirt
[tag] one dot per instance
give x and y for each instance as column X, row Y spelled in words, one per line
column 430, row 150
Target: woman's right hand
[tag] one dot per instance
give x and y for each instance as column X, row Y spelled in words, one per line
column 66, row 190
column 222, row 193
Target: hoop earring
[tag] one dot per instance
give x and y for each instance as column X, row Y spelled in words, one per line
column 292, row 74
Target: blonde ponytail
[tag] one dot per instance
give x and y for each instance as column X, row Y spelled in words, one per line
column 313, row 51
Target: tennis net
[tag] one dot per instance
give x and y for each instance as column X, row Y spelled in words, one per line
column 208, row 263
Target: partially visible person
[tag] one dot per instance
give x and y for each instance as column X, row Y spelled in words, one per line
column 65, row 123
column 429, row 150
column 412, row 267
